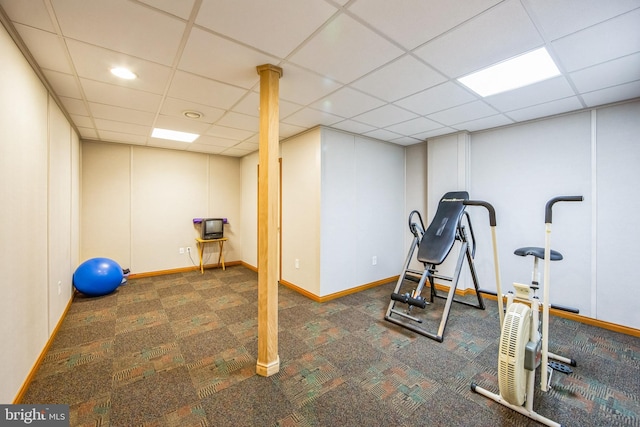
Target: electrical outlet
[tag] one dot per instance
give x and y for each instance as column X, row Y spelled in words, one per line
column 181, row 250
column 59, row 287
column 188, row 249
column 297, row 263
column 374, row 260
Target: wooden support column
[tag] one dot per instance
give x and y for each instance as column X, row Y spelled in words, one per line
column 268, row 177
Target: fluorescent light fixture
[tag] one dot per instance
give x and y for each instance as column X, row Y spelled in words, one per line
column 174, row 135
column 513, row 73
column 123, row 73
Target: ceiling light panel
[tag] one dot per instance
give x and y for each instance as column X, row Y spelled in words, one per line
column 123, row 73
column 174, row 135
column 513, row 73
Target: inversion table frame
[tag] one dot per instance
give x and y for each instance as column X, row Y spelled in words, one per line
column 434, row 246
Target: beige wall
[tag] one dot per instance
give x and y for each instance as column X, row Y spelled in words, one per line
column 63, row 207
column 362, row 219
column 106, row 197
column 416, row 191
column 224, row 194
column 337, row 190
column 139, row 204
column 39, row 204
column 249, row 209
column 301, row 210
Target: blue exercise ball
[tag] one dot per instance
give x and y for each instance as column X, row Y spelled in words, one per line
column 97, row 276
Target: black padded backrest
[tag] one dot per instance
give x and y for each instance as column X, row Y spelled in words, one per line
column 440, row 236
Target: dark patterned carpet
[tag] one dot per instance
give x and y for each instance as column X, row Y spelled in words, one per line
column 180, row 350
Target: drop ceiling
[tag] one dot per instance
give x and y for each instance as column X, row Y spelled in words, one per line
column 380, row 68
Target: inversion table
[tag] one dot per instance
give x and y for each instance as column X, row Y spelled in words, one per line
column 434, row 245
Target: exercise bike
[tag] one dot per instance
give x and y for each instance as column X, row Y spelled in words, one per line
column 524, row 338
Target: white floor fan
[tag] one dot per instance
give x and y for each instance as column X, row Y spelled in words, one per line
column 524, row 339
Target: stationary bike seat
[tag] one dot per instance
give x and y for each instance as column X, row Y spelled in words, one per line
column 538, row 253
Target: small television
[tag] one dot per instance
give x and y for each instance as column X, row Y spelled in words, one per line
column 212, row 228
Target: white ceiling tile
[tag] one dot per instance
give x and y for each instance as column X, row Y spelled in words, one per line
column 538, row 93
column 182, row 124
column 236, row 152
column 463, row 113
column 353, row 127
column 249, row 105
column 611, row 73
column 88, row 133
column 216, row 141
column 347, row 102
column 548, row 109
column 345, row 50
column 276, row 27
column 414, row 126
column 249, row 146
column 309, row 118
column 413, row 22
column 82, row 121
column 221, row 59
column 401, row 78
column 46, row 48
column 385, row 116
column 382, row 135
column 63, row 84
column 180, row 8
column 559, row 18
column 484, row 123
column 166, row 143
column 128, row 128
column 240, row 121
column 438, row 98
column 287, row 130
column 95, row 63
column 229, row 133
column 286, row 108
column 124, row 97
column 34, row 15
column 127, row 138
column 176, row 107
column 612, row 94
column 194, row 88
column 617, row 37
column 204, row 148
column 501, row 33
column 122, row 26
column 74, row 106
column 255, row 138
column 119, row 114
column 436, row 132
column 302, row 86
column 406, row 141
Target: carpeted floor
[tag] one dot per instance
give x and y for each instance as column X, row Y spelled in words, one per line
column 180, row 350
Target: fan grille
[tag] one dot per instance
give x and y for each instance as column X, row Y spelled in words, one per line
column 512, row 376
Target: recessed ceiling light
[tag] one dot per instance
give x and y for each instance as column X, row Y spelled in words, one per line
column 174, row 135
column 192, row 114
column 522, row 70
column 123, row 73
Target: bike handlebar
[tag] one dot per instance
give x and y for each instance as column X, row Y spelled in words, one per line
column 550, row 203
column 487, row 205
column 548, row 208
